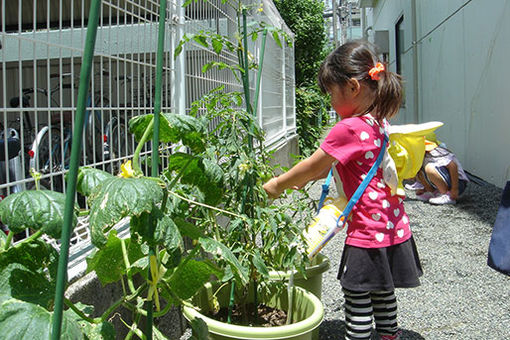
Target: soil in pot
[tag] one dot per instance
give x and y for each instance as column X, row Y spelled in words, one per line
column 267, row 316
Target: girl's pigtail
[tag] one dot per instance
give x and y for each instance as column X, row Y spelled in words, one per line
column 389, row 95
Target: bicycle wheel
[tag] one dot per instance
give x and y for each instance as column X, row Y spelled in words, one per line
column 118, row 143
column 50, row 156
column 94, row 132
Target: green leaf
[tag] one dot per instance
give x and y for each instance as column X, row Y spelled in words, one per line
column 201, row 172
column 178, row 49
column 22, row 320
column 217, row 45
column 3, row 239
column 200, row 329
column 117, row 198
column 168, row 234
column 254, row 36
column 101, row 331
column 28, row 272
column 188, row 229
column 259, row 263
column 89, row 178
column 220, row 250
column 201, row 39
column 36, row 209
column 165, row 231
column 174, row 128
column 207, row 66
column 108, row 262
column 276, row 38
column 190, row 276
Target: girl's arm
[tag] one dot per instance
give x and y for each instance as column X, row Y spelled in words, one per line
column 313, row 167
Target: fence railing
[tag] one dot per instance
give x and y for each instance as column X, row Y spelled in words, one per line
column 41, row 56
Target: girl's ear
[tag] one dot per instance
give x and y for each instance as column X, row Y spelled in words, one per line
column 354, row 86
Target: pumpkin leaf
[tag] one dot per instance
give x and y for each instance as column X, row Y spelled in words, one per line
column 165, row 231
column 173, row 128
column 108, row 262
column 28, row 273
column 117, row 198
column 206, row 175
column 190, row 276
column 23, row 320
column 36, row 209
column 89, row 178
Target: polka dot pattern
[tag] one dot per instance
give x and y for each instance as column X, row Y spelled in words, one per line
column 379, row 218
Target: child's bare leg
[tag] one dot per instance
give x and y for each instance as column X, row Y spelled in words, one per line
column 436, row 178
column 421, row 177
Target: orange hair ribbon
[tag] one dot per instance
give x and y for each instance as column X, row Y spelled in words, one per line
column 374, row 71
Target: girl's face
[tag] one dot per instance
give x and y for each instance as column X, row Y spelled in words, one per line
column 342, row 100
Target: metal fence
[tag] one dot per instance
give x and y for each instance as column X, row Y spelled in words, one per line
column 40, row 53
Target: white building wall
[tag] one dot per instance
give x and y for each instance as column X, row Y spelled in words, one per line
column 463, row 72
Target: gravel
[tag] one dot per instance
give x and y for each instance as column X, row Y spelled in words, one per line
column 460, row 297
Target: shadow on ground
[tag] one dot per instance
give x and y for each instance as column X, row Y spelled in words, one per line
column 335, row 329
column 479, row 201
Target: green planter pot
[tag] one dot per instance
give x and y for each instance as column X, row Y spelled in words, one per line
column 308, row 315
column 313, row 280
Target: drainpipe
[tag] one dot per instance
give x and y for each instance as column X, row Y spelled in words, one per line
column 363, row 23
column 335, row 29
column 416, row 101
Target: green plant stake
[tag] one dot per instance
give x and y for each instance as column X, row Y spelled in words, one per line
column 155, row 145
column 74, row 164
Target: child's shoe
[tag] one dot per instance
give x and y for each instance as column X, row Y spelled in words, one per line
column 395, row 336
column 414, row 186
column 442, row 199
column 426, row 196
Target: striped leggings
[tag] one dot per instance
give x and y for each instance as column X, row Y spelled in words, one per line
column 360, row 307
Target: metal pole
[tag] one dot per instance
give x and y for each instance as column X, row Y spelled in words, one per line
column 86, row 66
column 416, row 83
column 259, row 73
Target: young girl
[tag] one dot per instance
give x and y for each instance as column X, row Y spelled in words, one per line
column 379, row 253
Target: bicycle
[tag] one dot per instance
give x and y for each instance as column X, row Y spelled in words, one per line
column 34, row 137
column 50, row 151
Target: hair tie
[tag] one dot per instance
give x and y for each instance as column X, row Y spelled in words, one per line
column 374, row 71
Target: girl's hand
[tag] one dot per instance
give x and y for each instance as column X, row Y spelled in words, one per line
column 272, row 189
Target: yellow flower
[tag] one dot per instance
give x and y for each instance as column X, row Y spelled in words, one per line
column 126, row 170
column 244, row 167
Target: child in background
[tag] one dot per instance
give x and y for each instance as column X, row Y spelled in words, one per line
column 442, row 176
column 379, row 253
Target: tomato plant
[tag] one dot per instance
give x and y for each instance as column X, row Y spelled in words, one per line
column 210, row 192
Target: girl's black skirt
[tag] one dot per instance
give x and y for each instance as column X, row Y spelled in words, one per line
column 370, row 269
